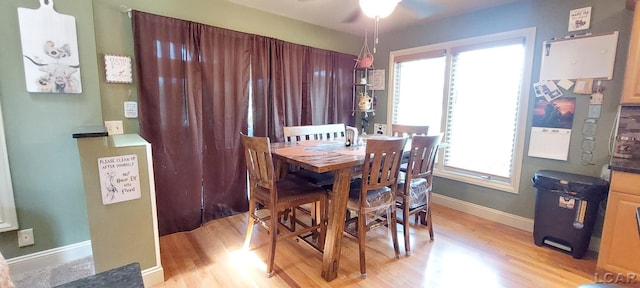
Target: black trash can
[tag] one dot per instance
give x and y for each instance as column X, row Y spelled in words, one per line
column 566, row 209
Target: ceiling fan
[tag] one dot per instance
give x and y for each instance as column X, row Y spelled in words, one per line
column 420, row 8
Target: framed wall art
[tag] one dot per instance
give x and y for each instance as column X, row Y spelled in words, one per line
column 49, row 50
column 118, row 69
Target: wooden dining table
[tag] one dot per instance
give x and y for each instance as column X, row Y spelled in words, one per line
column 326, row 156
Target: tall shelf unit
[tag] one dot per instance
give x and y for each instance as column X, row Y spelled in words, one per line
column 364, row 99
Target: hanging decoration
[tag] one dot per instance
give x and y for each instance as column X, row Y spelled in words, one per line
column 49, row 50
column 365, row 58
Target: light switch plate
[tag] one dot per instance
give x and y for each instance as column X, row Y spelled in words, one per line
column 380, row 129
column 114, row 127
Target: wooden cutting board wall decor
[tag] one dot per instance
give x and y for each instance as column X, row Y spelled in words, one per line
column 49, row 50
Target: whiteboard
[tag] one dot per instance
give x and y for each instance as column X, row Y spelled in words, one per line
column 590, row 56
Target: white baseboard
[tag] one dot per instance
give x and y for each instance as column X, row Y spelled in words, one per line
column 508, row 219
column 153, row 276
column 51, row 257
column 62, row 255
column 516, row 221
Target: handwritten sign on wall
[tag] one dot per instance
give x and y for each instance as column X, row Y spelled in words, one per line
column 119, row 178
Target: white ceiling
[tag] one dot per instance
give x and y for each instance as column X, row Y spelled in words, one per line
column 334, row 14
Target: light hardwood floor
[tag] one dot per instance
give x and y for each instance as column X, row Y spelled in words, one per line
column 467, row 252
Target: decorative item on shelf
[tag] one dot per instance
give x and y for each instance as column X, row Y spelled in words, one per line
column 365, row 58
column 364, row 101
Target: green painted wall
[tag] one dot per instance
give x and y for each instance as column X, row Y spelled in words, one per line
column 44, row 162
column 550, row 17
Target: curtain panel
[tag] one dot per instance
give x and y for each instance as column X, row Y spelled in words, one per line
column 196, row 84
column 170, row 116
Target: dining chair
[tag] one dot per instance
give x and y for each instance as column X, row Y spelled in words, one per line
column 414, row 198
column 408, row 130
column 313, row 132
column 294, row 134
column 276, row 196
column 375, row 193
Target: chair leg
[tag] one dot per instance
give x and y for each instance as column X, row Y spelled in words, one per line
column 322, row 217
column 429, row 223
column 250, row 224
column 285, row 214
column 362, row 230
column 405, row 224
column 292, row 220
column 316, row 218
column 391, row 215
column 273, row 234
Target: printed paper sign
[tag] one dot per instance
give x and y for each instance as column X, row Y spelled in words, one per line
column 119, row 178
column 579, row 19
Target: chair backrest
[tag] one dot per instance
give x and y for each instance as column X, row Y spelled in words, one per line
column 408, row 130
column 257, row 152
column 422, row 157
column 381, row 164
column 313, row 132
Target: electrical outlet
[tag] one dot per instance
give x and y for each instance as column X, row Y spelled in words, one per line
column 114, row 127
column 380, row 128
column 25, row 237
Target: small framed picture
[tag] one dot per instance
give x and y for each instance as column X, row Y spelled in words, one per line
column 579, row 19
column 118, row 69
column 376, row 79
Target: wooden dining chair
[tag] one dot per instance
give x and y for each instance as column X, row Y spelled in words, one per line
column 276, row 196
column 375, row 193
column 313, row 132
column 295, row 134
column 408, row 130
column 414, row 198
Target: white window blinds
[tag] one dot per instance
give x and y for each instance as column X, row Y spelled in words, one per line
column 475, row 91
column 483, row 108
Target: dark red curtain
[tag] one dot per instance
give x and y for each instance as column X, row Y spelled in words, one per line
column 195, row 82
column 225, row 59
column 170, row 97
column 329, row 99
column 299, row 85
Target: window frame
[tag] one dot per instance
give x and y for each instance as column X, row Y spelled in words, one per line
column 8, row 213
column 529, row 36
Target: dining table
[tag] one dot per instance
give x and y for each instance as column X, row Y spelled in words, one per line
column 326, row 156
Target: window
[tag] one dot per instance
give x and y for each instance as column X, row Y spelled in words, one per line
column 475, row 91
column 8, row 216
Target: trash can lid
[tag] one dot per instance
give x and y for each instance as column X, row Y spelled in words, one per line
column 571, row 178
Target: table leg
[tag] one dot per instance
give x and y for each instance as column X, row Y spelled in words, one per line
column 281, row 169
column 333, row 243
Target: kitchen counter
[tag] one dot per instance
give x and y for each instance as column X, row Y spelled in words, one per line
column 625, row 165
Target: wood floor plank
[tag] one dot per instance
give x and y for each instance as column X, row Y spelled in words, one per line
column 467, row 251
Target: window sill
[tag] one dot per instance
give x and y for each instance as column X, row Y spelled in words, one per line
column 478, row 181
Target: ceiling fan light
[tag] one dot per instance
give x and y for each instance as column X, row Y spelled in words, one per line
column 378, row 8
